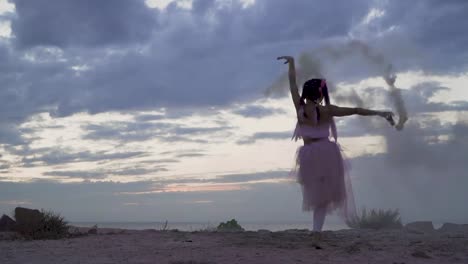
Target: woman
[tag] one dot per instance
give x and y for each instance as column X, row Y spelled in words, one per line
column 319, row 164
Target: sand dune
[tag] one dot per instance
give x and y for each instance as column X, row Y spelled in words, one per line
column 293, row 246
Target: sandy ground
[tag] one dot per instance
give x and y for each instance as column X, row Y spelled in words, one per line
column 294, row 246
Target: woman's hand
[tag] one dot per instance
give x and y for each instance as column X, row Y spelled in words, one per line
column 288, row 59
column 388, row 116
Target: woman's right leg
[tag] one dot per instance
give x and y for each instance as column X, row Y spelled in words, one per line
column 319, row 218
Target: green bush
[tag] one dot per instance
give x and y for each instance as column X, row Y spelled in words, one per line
column 230, row 226
column 376, row 219
column 55, row 225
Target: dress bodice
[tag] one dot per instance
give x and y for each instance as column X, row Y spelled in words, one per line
column 314, row 130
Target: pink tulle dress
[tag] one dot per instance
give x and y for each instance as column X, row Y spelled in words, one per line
column 321, row 170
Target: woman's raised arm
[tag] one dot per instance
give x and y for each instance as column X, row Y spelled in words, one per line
column 292, row 80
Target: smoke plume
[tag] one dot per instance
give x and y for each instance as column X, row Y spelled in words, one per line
column 309, row 65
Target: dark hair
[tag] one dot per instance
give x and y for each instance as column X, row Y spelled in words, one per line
column 311, row 91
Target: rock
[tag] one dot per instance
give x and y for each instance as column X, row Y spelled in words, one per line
column 28, row 222
column 7, row 224
column 25, row 216
column 93, row 230
column 450, row 227
column 75, row 231
column 420, row 227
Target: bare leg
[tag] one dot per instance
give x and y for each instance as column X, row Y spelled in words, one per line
column 319, row 218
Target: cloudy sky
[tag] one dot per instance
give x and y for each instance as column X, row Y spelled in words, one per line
column 133, row 110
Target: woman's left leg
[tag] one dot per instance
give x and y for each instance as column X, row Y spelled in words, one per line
column 319, row 218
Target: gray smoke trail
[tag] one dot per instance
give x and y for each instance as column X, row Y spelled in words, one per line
column 352, row 97
column 387, row 71
column 395, row 94
column 309, row 66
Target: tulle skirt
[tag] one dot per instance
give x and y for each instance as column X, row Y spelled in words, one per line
column 323, row 175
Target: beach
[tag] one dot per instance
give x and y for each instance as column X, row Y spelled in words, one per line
column 263, row 246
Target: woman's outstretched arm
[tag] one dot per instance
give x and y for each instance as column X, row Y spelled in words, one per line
column 347, row 111
column 292, row 80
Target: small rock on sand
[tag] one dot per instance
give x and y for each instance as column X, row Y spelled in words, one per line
column 420, row 227
column 264, row 231
column 93, row 230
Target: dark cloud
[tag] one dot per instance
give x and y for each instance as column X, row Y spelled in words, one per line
column 190, row 155
column 102, row 174
column 56, row 156
column 181, row 111
column 255, row 111
column 231, row 178
column 4, row 164
column 179, row 64
column 201, row 7
column 9, row 134
column 266, row 135
column 160, row 161
column 135, row 171
column 181, row 151
column 435, row 28
column 85, row 175
column 124, row 131
column 139, row 131
column 197, row 130
column 186, row 139
column 419, row 36
column 267, row 21
column 65, row 23
column 145, row 118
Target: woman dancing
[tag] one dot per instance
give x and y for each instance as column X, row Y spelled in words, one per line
column 320, row 169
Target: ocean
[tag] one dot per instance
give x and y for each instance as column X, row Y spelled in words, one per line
column 197, row 226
